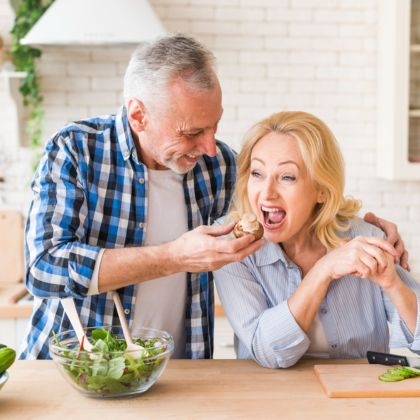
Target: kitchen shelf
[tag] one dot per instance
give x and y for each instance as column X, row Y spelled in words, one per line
column 415, row 48
column 13, row 134
column 398, row 144
column 11, row 74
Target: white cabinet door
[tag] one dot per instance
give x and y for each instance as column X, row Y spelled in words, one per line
column 398, row 141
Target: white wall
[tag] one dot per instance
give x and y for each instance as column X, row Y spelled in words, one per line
column 314, row 55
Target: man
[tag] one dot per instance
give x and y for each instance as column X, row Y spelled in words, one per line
column 125, row 202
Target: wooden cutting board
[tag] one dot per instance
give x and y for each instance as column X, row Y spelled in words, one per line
column 361, row 380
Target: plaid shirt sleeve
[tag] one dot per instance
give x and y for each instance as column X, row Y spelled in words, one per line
column 84, row 200
column 59, row 259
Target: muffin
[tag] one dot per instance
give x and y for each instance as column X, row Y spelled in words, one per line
column 248, row 224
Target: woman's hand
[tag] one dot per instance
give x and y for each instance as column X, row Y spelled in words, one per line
column 369, row 258
column 393, row 237
column 388, row 277
column 364, row 257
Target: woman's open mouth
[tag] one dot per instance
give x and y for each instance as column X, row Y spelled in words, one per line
column 273, row 216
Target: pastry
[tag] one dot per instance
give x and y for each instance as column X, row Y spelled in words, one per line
column 248, row 224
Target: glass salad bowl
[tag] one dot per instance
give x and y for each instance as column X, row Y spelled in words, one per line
column 109, row 370
column 3, row 379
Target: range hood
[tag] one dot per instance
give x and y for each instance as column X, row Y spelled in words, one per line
column 95, row 22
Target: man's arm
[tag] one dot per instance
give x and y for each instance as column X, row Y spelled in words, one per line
column 202, row 249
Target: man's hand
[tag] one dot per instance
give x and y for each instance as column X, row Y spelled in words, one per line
column 207, row 248
column 393, row 237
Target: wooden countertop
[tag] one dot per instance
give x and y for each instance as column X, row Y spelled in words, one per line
column 197, row 389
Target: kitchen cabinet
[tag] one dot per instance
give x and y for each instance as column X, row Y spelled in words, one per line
column 398, row 143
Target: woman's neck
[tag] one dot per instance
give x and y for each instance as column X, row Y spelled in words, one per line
column 304, row 251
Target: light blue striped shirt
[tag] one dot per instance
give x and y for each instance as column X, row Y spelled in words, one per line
column 354, row 314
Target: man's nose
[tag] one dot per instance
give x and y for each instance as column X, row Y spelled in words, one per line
column 208, row 143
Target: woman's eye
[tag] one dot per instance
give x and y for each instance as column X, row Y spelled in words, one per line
column 255, row 174
column 289, row 178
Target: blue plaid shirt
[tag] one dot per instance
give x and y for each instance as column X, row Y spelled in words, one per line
column 90, row 193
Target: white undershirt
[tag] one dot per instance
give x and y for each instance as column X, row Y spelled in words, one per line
column 160, row 303
column 319, row 343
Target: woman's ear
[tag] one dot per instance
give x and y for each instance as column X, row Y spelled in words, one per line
column 321, row 197
column 136, row 114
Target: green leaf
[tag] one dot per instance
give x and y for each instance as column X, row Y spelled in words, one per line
column 101, row 346
column 116, row 367
column 100, row 367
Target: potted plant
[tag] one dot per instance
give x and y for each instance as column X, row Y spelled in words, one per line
column 24, row 57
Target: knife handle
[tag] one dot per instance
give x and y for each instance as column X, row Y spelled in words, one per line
column 375, row 357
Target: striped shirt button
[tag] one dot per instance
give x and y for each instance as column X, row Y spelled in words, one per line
column 126, row 311
column 141, row 225
column 141, row 180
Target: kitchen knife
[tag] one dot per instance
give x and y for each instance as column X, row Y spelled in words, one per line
column 375, row 357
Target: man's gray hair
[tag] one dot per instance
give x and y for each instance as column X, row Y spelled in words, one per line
column 154, row 65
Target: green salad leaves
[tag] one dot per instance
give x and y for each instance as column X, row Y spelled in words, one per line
column 108, row 369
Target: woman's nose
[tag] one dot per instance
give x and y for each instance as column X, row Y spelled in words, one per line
column 269, row 190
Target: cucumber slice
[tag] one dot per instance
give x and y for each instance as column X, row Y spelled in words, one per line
column 399, row 374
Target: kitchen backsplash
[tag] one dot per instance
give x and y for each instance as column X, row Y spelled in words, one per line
column 314, row 55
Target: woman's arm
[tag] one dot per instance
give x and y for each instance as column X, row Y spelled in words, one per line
column 393, row 237
column 360, row 256
column 256, row 307
column 403, row 298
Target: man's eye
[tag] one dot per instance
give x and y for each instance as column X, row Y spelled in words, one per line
column 191, row 135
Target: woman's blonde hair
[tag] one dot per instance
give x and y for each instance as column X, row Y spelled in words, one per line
column 324, row 163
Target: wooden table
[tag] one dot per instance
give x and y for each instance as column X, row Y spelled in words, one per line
column 196, row 389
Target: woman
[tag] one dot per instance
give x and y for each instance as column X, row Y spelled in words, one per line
column 324, row 284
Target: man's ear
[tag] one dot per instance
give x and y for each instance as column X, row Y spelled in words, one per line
column 136, row 114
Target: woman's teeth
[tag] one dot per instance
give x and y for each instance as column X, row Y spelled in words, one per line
column 273, row 215
column 270, row 210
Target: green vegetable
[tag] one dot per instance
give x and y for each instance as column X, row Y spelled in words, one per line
column 399, row 374
column 108, row 369
column 7, row 357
